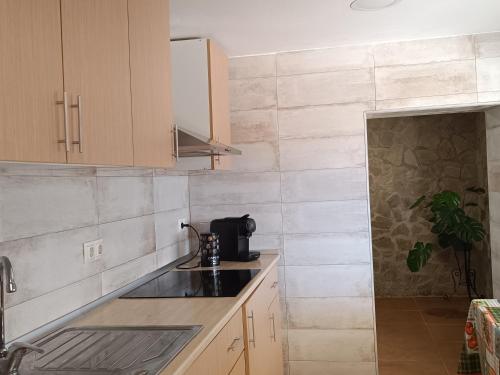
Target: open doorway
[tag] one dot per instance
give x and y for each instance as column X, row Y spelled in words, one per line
column 421, row 315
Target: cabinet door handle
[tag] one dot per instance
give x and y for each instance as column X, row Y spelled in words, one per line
column 273, row 336
column 175, row 142
column 64, row 102
column 232, row 347
column 80, row 123
column 275, row 284
column 252, row 340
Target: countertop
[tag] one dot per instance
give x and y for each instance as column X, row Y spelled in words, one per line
column 211, row 313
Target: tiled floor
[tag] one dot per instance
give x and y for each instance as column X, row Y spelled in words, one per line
column 420, row 335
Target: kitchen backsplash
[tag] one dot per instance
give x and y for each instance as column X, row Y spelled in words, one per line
column 48, row 212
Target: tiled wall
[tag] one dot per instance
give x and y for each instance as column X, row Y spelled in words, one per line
column 493, row 146
column 48, row 212
column 299, row 119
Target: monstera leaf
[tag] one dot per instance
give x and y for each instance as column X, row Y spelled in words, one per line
column 418, row 256
column 450, row 223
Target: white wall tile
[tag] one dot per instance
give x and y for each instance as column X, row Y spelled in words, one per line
column 424, row 51
column 428, row 101
column 492, row 143
column 328, row 281
column 266, row 216
column 32, row 206
column 266, row 242
column 335, row 248
column 124, row 274
column 254, row 126
column 487, row 45
column 488, row 74
column 323, row 121
column 332, row 368
column 252, row 67
column 325, row 60
column 489, row 97
column 166, row 229
column 234, row 188
column 325, row 217
column 256, row 157
column 326, row 88
column 171, row 253
column 127, row 239
column 253, row 93
column 45, row 170
column 171, row 193
column 324, row 185
column 436, row 79
column 322, row 153
column 331, row 345
column 46, row 263
column 124, row 172
column 36, row 312
column 124, row 197
column 330, row 313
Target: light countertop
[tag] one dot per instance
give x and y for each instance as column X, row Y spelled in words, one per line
column 211, row 313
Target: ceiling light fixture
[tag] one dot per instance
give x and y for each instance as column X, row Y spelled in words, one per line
column 371, row 5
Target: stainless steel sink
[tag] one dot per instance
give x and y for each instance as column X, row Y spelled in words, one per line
column 108, row 350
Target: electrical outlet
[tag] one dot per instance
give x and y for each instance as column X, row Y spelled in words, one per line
column 92, row 251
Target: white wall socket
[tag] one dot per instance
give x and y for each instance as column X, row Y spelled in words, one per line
column 179, row 222
column 92, row 251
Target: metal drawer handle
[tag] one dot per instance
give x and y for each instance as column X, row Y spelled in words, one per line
column 234, row 344
column 273, row 336
column 64, row 102
column 252, row 340
column 175, row 142
column 80, row 123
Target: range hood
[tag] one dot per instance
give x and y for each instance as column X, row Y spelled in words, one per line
column 190, row 144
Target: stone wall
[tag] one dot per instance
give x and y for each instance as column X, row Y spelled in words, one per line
column 410, row 157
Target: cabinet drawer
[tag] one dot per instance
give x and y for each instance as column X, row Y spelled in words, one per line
column 230, row 343
column 268, row 289
column 239, row 367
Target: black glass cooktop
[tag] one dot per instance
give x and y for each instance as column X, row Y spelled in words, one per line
column 212, row 283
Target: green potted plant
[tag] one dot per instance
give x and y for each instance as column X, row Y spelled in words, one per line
column 454, row 228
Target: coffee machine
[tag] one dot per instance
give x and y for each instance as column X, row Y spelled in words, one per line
column 234, row 234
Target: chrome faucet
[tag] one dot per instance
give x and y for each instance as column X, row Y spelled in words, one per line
column 10, row 358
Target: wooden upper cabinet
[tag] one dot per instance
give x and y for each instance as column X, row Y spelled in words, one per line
column 95, row 38
column 200, row 82
column 219, row 101
column 31, row 81
column 150, row 81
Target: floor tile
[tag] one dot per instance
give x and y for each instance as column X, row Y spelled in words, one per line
column 411, row 368
column 447, row 332
column 395, row 304
column 397, row 317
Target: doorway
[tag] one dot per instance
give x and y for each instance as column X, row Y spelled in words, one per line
column 421, row 315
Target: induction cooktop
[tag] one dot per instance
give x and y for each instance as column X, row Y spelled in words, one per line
column 206, row 283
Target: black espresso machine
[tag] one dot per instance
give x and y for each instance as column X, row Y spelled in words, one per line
column 234, row 234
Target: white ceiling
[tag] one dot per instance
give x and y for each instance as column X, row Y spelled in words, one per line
column 247, row 27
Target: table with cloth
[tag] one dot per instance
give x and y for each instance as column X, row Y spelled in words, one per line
column 481, row 351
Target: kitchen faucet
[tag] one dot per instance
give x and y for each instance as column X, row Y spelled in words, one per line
column 10, row 358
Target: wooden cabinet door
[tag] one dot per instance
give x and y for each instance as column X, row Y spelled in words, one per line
column 206, row 363
column 275, row 348
column 219, row 101
column 31, row 81
column 257, row 335
column 150, row 82
column 96, row 67
column 239, row 367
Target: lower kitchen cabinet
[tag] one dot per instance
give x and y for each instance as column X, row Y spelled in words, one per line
column 263, row 329
column 239, row 367
column 250, row 343
column 224, row 352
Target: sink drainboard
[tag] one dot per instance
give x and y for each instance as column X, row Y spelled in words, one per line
column 108, row 350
